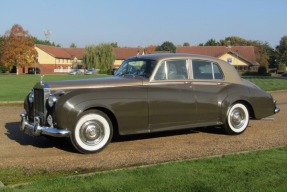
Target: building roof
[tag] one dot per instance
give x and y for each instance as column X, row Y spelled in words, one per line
column 76, row 52
column 63, row 53
column 246, row 53
column 124, row 53
column 71, row 53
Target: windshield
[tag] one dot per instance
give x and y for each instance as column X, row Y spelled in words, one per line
column 136, row 67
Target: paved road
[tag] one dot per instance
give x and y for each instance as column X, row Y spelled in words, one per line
column 20, row 150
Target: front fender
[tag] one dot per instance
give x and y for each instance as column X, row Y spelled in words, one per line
column 128, row 105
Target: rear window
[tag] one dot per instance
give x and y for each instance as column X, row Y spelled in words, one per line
column 206, row 70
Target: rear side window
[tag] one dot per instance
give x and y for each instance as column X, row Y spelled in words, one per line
column 206, row 70
column 172, row 70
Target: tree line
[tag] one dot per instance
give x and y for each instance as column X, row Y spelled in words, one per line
column 17, row 48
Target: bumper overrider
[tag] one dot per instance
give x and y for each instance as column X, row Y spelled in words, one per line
column 276, row 109
column 36, row 130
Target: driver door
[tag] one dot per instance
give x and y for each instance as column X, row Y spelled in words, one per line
column 171, row 99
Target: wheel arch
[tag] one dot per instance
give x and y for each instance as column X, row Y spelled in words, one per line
column 110, row 114
column 227, row 105
column 248, row 106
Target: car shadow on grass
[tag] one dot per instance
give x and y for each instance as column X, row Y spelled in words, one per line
column 14, row 133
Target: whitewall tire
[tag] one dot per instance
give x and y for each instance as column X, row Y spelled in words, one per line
column 237, row 119
column 93, row 132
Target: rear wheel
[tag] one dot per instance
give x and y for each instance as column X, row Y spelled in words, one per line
column 237, row 119
column 92, row 133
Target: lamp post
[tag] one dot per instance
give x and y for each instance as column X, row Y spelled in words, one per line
column 35, row 72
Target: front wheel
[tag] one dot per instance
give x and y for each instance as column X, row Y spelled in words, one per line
column 92, row 133
column 237, row 119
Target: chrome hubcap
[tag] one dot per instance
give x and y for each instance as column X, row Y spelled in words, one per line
column 92, row 132
column 238, row 118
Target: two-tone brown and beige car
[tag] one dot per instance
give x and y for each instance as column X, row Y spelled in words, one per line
column 148, row 93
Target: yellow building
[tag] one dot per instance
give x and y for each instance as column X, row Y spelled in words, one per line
column 58, row 60
column 61, row 60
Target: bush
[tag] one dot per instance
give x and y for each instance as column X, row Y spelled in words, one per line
column 262, row 70
column 3, row 69
column 281, row 68
column 254, row 73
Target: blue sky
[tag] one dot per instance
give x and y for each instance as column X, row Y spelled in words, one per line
column 146, row 22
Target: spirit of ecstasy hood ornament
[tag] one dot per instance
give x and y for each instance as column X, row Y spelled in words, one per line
column 41, row 80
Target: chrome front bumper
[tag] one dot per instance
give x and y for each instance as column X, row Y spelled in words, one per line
column 36, row 130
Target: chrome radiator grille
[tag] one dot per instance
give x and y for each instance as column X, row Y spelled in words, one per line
column 39, row 104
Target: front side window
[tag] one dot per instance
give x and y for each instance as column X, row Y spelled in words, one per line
column 136, row 67
column 206, row 70
column 172, row 70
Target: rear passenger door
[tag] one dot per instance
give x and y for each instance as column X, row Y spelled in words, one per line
column 208, row 85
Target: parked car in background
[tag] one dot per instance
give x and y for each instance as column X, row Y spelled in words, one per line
column 149, row 93
column 91, row 71
column 284, row 74
column 75, row 72
column 114, row 70
column 31, row 70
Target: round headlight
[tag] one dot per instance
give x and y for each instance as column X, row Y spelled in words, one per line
column 52, row 100
column 31, row 97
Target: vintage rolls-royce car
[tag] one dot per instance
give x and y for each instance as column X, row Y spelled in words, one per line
column 148, row 93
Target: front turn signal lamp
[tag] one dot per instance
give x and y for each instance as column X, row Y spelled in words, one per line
column 52, row 100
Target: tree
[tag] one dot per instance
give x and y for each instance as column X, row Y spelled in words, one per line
column 263, row 51
column 166, row 46
column 89, row 58
column 100, row 57
column 114, row 45
column 73, row 45
column 45, row 42
column 17, row 48
column 282, row 51
column 212, row 42
column 233, row 41
column 186, row 44
column 105, row 58
column 150, row 49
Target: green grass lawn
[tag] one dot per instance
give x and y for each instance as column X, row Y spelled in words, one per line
column 254, row 171
column 16, row 87
column 269, row 83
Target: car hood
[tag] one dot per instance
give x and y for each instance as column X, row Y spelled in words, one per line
column 95, row 83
